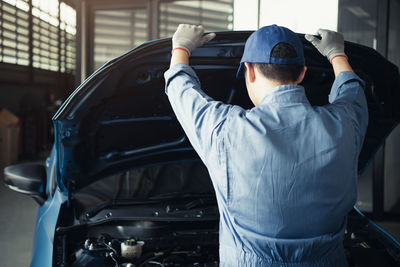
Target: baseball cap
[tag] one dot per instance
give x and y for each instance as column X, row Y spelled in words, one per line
column 259, row 45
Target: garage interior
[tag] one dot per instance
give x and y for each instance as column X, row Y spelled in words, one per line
column 49, row 47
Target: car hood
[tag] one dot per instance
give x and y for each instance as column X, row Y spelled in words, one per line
column 120, row 118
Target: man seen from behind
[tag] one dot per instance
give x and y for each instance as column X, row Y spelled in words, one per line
column 284, row 172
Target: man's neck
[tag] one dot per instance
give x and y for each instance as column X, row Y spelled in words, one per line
column 266, row 86
column 271, row 84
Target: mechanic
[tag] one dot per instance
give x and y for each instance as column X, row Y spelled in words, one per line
column 284, row 172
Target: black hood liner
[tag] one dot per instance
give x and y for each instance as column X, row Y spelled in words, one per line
column 149, row 183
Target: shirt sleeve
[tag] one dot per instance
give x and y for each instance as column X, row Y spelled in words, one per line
column 201, row 116
column 347, row 95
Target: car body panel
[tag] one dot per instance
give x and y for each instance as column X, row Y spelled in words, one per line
column 46, row 219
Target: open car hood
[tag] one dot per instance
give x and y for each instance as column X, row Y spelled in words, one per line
column 120, row 117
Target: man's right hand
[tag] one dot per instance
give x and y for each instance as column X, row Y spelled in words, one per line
column 331, row 44
column 189, row 37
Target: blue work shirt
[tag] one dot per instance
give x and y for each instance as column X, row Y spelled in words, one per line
column 284, row 172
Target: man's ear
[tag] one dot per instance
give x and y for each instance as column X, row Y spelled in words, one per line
column 301, row 76
column 250, row 72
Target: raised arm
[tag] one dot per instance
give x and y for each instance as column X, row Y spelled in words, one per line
column 347, row 93
column 200, row 116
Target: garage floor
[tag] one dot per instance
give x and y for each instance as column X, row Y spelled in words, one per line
column 17, row 220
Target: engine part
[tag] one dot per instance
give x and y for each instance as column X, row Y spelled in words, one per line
column 87, row 244
column 131, row 248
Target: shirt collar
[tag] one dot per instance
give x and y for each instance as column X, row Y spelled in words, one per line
column 285, row 94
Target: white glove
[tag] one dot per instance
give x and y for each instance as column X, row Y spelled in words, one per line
column 189, row 37
column 330, row 45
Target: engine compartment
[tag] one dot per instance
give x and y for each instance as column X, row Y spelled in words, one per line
column 167, row 215
column 185, row 243
column 108, row 253
column 153, row 244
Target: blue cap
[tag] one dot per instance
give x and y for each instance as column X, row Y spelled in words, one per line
column 260, row 44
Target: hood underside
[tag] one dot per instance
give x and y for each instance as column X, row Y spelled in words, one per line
column 120, row 117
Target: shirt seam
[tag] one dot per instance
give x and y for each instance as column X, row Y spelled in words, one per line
column 228, row 177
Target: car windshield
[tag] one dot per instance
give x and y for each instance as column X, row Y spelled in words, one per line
column 166, row 181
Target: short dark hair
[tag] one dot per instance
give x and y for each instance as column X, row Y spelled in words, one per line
column 281, row 72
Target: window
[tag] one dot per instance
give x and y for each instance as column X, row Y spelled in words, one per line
column 67, row 38
column 394, row 32
column 41, row 35
column 358, row 21
column 45, row 34
column 118, row 31
column 213, row 15
column 14, row 32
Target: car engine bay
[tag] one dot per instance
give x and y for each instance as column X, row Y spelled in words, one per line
column 155, row 244
column 168, row 216
column 190, row 243
column 112, row 252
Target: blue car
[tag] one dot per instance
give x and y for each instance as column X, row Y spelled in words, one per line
column 123, row 186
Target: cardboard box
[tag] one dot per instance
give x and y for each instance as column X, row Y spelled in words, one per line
column 9, row 137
